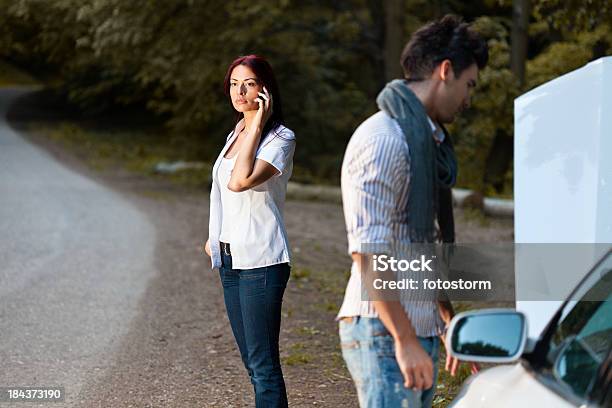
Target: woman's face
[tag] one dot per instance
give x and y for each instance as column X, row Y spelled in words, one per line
column 244, row 88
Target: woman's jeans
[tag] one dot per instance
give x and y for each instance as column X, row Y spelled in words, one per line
column 253, row 299
column 369, row 352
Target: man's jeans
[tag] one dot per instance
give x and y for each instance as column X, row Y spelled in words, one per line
column 369, row 352
column 253, row 299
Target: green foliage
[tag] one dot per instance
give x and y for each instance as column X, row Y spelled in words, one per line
column 574, row 15
column 171, row 57
column 492, row 105
column 574, row 51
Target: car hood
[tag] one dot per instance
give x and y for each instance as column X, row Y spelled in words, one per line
column 507, row 386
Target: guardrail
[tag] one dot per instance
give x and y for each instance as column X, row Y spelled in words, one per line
column 495, row 207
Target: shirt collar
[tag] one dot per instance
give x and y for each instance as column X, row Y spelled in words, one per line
column 438, row 134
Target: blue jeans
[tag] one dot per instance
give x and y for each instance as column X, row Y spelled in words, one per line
column 253, row 299
column 369, row 352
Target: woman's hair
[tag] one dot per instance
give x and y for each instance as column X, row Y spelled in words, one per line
column 447, row 38
column 265, row 76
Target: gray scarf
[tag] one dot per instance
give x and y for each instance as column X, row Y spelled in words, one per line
column 431, row 167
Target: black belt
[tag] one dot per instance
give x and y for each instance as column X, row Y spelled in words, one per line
column 225, row 248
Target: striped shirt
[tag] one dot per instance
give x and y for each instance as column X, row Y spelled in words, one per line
column 375, row 182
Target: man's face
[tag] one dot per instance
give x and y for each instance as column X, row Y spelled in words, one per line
column 455, row 92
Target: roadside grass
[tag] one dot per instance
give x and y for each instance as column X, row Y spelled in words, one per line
column 131, row 150
column 297, row 355
column 11, row 76
column 476, row 216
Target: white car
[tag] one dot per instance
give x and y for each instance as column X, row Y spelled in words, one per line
column 570, row 365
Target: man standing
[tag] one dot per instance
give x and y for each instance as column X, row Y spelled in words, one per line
column 397, row 171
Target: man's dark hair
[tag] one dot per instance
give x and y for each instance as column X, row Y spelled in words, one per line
column 447, row 38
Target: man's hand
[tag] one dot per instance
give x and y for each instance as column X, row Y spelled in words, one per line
column 207, row 247
column 452, row 364
column 415, row 364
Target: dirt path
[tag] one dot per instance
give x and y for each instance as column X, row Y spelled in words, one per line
column 179, row 351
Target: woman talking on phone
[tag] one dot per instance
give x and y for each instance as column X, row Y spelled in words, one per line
column 247, row 237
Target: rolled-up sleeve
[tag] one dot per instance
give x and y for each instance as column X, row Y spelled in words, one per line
column 278, row 151
column 374, row 181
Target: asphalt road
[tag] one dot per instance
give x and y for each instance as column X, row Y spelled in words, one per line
column 75, row 259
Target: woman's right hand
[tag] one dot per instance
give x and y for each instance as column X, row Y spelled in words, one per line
column 207, row 247
column 264, row 112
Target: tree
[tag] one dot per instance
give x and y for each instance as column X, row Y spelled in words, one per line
column 499, row 158
column 331, row 58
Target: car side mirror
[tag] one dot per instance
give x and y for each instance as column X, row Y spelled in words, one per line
column 488, row 336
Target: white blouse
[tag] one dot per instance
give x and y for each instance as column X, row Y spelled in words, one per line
column 231, row 202
column 252, row 221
